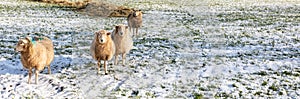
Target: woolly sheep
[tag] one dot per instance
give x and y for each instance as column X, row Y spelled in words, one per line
column 102, row 48
column 123, row 42
column 36, row 53
column 135, row 20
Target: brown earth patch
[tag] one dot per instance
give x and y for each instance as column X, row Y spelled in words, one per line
column 93, row 8
column 105, row 9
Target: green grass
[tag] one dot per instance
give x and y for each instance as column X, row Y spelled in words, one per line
column 198, row 96
column 62, row 77
column 258, row 93
column 274, row 87
column 264, row 83
column 262, row 73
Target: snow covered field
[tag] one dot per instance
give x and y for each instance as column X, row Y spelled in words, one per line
column 186, row 49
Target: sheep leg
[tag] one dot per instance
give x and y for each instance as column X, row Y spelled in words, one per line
column 132, row 31
column 105, row 68
column 36, row 76
column 129, row 29
column 136, row 33
column 123, row 58
column 49, row 70
column 29, row 74
column 116, row 59
column 98, row 66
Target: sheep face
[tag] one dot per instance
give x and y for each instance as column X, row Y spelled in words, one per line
column 137, row 13
column 102, row 36
column 23, row 45
column 121, row 30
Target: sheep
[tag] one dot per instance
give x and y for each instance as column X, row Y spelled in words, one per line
column 123, row 42
column 102, row 48
column 36, row 53
column 135, row 20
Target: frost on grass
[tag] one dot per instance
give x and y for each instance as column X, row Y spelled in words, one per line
column 226, row 49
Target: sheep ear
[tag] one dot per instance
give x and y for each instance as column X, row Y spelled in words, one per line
column 117, row 28
column 28, row 38
column 36, row 38
column 25, row 41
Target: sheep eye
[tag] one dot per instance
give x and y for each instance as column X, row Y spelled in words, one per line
column 22, row 43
